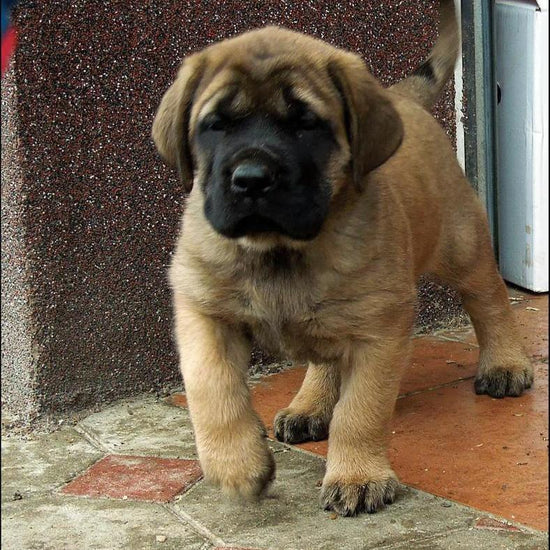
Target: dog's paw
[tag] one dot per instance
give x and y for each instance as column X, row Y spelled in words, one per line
column 501, row 381
column 254, row 482
column 290, row 427
column 242, row 469
column 350, row 499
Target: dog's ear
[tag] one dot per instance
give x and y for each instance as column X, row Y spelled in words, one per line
column 374, row 128
column 171, row 125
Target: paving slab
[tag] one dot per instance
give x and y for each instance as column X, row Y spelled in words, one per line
column 43, row 463
column 142, row 427
column 291, row 518
column 473, row 538
column 68, row 523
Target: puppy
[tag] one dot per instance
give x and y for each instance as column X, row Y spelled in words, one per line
column 317, row 199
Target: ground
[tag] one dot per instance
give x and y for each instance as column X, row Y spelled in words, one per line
column 474, row 469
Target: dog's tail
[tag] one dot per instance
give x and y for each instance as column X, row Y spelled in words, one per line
column 426, row 82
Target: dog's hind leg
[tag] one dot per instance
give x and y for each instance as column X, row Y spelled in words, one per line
column 469, row 265
column 307, row 418
column 504, row 367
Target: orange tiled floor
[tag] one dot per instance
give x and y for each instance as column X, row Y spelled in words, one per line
column 491, row 454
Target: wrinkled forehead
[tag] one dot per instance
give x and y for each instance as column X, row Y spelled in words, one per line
column 240, row 80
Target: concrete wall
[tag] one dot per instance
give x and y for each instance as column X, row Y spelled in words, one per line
column 91, row 213
column 18, row 364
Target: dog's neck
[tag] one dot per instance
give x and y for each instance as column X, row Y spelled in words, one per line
column 276, row 261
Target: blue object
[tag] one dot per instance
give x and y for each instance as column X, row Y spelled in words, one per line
column 7, row 5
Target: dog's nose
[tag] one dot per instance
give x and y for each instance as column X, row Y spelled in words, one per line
column 251, row 178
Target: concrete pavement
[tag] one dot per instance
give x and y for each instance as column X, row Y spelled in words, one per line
column 127, row 478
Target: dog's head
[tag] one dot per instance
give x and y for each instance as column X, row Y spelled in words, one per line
column 269, row 126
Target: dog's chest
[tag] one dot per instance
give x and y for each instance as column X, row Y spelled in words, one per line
column 288, row 315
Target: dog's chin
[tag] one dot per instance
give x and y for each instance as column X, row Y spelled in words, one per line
column 262, row 233
column 262, row 242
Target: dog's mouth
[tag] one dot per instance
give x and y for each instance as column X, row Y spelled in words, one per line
column 254, row 224
column 300, row 222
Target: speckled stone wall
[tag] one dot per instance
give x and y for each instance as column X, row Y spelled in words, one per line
column 18, row 365
column 98, row 210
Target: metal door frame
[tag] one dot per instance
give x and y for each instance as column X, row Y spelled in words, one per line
column 479, row 104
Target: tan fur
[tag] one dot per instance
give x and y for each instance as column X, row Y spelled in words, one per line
column 214, row 366
column 441, row 60
column 401, row 207
column 310, row 411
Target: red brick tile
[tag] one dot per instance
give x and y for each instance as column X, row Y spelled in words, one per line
column 136, row 478
column 177, row 399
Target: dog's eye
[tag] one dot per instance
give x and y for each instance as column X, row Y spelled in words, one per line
column 215, row 123
column 309, row 120
column 303, row 118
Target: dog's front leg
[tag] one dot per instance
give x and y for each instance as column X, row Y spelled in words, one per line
column 230, row 439
column 358, row 476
